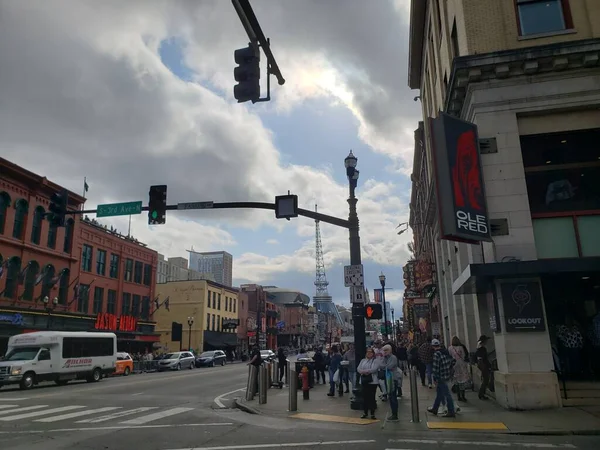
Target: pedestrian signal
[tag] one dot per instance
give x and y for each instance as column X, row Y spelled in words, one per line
column 373, row 311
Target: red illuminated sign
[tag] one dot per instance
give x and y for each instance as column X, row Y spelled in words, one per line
column 106, row 321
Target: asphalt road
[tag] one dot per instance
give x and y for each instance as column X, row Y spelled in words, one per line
column 189, row 410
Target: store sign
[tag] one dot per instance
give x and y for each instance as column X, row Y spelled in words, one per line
column 110, row 322
column 229, row 324
column 459, row 180
column 523, row 308
column 13, row 319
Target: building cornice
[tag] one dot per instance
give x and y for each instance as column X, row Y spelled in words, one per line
column 416, row 38
column 517, row 63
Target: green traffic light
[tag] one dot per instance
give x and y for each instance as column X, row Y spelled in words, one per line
column 154, row 214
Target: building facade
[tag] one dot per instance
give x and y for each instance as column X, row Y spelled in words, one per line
column 176, row 269
column 212, row 307
column 219, row 264
column 528, row 80
column 41, row 283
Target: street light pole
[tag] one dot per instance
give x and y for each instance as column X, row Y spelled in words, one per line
column 49, row 307
column 190, row 321
column 394, row 330
column 382, row 281
column 358, row 313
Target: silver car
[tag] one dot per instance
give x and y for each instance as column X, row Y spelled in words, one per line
column 177, row 361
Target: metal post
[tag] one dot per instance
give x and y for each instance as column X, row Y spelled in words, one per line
column 293, row 394
column 262, row 385
column 269, row 373
column 287, row 371
column 275, row 372
column 414, row 395
column 385, row 316
column 252, row 377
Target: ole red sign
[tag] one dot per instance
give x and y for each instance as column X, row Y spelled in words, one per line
column 105, row 321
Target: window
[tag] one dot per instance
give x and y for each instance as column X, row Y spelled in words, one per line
column 137, row 277
column 219, row 302
column 21, row 209
column 234, row 304
column 208, row 322
column 30, row 276
column 114, row 265
column 98, row 299
column 86, row 258
column 218, row 323
column 126, row 306
column 213, row 323
column 101, row 262
column 111, row 302
column 4, row 204
column 214, row 299
column 36, row 226
column 52, row 236
column 48, row 280
column 68, row 242
column 146, row 308
column 128, row 269
column 135, row 306
column 84, row 298
column 85, row 347
column 567, row 237
column 147, row 274
column 63, row 287
column 12, row 277
column 543, row 16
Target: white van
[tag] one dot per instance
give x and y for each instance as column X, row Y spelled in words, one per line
column 58, row 356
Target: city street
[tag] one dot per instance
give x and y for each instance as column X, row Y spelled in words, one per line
column 190, row 410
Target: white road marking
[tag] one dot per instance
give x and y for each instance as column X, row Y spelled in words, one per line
column 117, row 415
column 8, row 406
column 77, row 414
column 283, row 445
column 40, row 413
column 139, row 393
column 218, row 399
column 155, row 416
column 25, row 408
column 482, row 443
column 140, row 427
column 6, row 399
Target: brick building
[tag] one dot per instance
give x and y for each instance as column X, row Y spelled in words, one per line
column 40, row 265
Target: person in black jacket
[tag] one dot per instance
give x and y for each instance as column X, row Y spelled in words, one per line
column 319, row 359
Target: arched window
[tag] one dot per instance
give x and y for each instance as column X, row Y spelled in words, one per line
column 69, row 228
column 52, row 232
column 21, row 209
column 63, row 287
column 36, row 226
column 49, row 273
column 31, row 274
column 12, row 277
column 4, row 204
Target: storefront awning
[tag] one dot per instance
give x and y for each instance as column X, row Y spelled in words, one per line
column 219, row 340
column 476, row 278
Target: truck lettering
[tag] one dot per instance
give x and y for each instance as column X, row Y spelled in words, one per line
column 77, row 362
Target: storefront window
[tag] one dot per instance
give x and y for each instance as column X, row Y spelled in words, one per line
column 589, row 232
column 555, row 238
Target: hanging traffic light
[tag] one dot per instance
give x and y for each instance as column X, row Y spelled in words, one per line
column 157, row 205
column 58, row 208
column 247, row 74
column 373, row 311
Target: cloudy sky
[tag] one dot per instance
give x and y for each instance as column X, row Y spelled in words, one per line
column 135, row 93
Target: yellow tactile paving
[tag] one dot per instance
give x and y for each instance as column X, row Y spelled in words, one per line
column 340, row 419
column 466, row 425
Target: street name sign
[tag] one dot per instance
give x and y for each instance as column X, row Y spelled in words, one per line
column 353, row 275
column 357, row 294
column 195, row 205
column 119, row 209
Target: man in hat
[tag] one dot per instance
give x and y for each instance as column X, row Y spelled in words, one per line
column 443, row 368
column 484, row 365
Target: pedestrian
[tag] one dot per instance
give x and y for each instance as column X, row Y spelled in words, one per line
column 426, row 362
column 484, row 365
column 282, row 360
column 319, row 359
column 393, row 379
column 334, row 365
column 256, row 361
column 442, row 373
column 462, row 376
column 350, row 356
column 367, row 369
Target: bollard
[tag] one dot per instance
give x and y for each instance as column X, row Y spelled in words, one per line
column 287, row 371
column 414, row 395
column 269, row 370
column 293, row 394
column 276, row 372
column 262, row 385
column 251, row 386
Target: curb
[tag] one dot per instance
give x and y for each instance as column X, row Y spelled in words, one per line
column 557, row 433
column 242, row 406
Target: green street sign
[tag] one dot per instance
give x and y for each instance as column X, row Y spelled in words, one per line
column 119, row 209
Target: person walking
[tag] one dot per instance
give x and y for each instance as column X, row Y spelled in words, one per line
column 426, row 359
column 319, row 359
column 484, row 365
column 442, row 368
column 367, row 369
column 334, row 365
column 282, row 363
column 393, row 377
column 462, row 376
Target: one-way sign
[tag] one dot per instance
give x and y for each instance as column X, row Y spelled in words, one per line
column 353, row 275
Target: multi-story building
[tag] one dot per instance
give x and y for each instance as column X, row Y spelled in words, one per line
column 176, row 269
column 219, row 264
column 41, row 282
column 212, row 308
column 505, row 199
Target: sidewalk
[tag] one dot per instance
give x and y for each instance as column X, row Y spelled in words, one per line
column 475, row 415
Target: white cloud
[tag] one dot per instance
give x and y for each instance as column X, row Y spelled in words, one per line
column 272, row 242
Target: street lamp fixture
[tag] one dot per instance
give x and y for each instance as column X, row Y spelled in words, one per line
column 49, row 307
column 190, row 321
column 382, row 282
column 403, row 224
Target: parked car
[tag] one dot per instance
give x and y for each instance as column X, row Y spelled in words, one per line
column 267, row 355
column 211, row 359
column 176, row 361
column 124, row 364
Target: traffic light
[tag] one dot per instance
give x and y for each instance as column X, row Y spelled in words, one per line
column 157, row 205
column 176, row 331
column 373, row 311
column 58, row 209
column 247, row 74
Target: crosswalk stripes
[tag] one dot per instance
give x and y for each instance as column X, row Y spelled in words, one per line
column 88, row 415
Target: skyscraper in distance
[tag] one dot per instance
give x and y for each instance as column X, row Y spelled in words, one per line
column 220, row 264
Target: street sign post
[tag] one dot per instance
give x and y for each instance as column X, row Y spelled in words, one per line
column 195, row 205
column 357, row 294
column 119, row 209
column 353, row 275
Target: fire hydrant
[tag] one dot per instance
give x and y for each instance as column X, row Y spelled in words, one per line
column 305, row 383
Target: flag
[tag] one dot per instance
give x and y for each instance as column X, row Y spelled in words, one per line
column 377, row 297
column 86, row 187
column 166, row 303
column 23, row 274
column 41, row 276
column 156, row 305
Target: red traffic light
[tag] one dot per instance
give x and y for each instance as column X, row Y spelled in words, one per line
column 373, row 311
